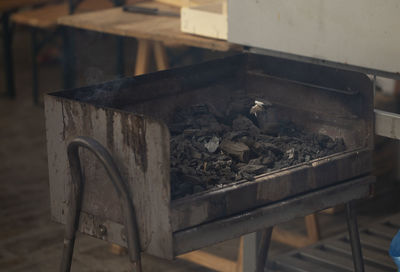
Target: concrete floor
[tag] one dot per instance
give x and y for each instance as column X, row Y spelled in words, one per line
column 29, row 241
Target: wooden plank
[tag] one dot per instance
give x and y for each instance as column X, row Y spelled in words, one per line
column 312, row 227
column 143, row 57
column 211, row 261
column 374, row 241
column 239, row 264
column 380, row 257
column 296, row 264
column 176, row 3
column 156, row 28
column 290, row 238
column 337, row 262
column 160, row 56
column 383, row 230
column 186, row 3
column 336, row 259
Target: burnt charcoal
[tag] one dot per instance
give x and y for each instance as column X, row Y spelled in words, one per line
column 234, row 135
column 243, row 123
column 210, row 149
column 198, row 189
column 239, row 106
column 253, row 169
column 264, row 147
column 237, row 150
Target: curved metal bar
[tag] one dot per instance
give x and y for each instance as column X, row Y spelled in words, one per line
column 77, row 188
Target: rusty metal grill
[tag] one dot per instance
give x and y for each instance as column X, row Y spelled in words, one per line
column 129, row 116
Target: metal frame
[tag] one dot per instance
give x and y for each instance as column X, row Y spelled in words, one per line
column 352, row 226
column 76, row 195
column 387, row 124
column 264, row 218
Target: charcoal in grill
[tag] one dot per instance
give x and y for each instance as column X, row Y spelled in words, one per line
column 210, row 149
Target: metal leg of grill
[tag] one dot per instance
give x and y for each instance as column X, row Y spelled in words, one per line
column 255, row 250
column 8, row 56
column 77, row 188
column 263, row 249
column 354, row 237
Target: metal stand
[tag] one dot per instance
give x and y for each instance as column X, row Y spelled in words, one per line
column 77, row 188
column 8, row 55
column 262, row 254
column 354, row 237
column 256, row 260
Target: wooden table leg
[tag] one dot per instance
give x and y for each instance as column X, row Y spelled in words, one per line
column 298, row 240
column 143, row 57
column 312, row 226
column 239, row 262
column 160, row 56
column 209, row 260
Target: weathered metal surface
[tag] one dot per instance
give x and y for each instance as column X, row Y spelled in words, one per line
column 78, row 184
column 260, row 218
column 130, row 116
column 138, row 144
column 268, row 188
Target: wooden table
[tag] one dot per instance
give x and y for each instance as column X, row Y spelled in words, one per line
column 7, row 7
column 152, row 32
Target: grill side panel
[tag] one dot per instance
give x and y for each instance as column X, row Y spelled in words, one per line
column 140, row 148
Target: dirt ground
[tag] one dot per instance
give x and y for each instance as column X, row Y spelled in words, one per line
column 29, row 241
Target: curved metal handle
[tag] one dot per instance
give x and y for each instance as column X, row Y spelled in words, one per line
column 77, row 187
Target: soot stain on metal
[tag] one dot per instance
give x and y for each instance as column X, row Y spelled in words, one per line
column 70, row 126
column 133, row 129
column 86, row 115
column 110, row 128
